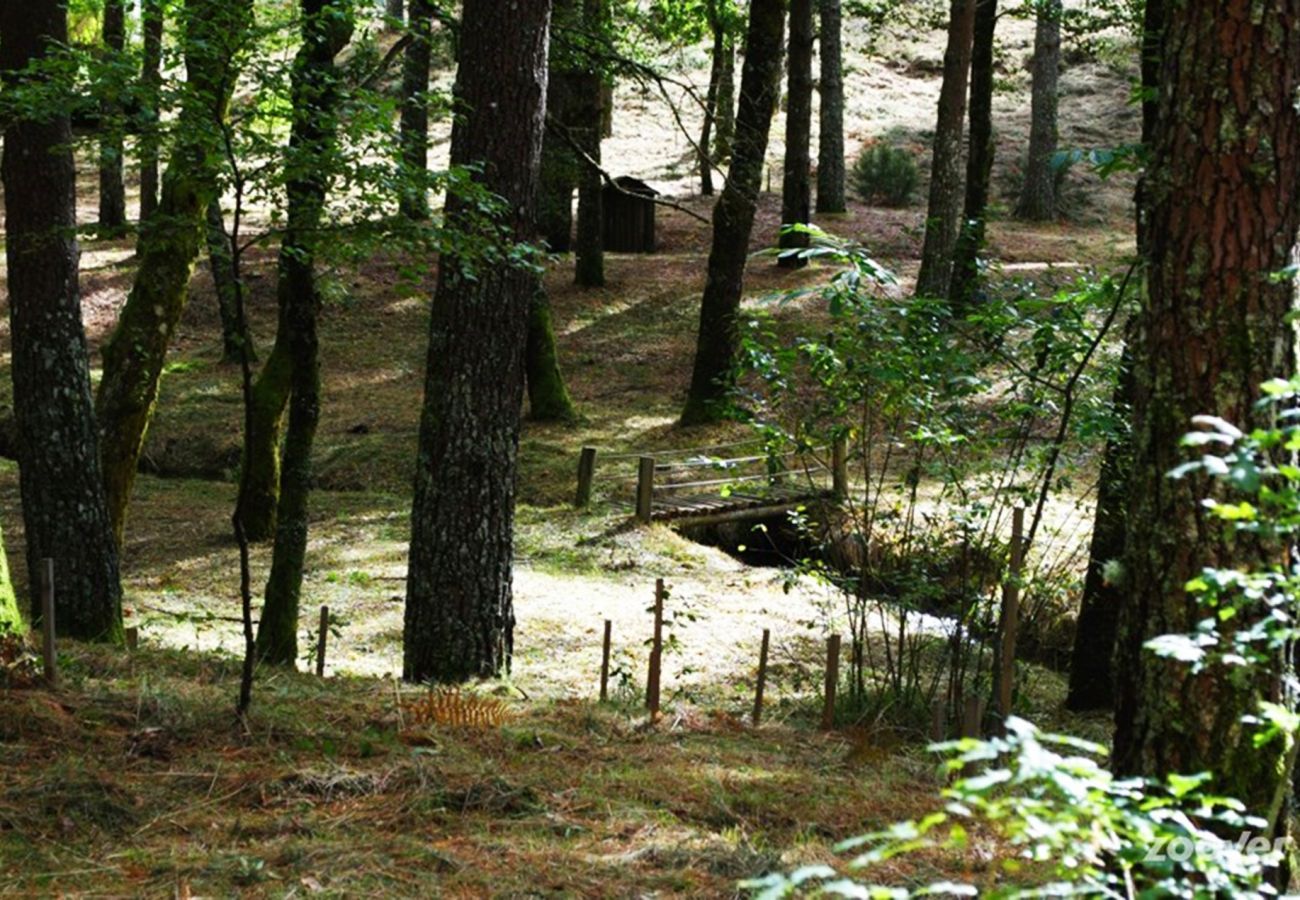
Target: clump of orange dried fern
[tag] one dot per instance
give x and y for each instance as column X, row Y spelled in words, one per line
column 450, row 708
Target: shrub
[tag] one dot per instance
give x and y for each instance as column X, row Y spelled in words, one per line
column 885, row 174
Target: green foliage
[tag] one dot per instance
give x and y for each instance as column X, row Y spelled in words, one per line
column 1076, row 828
column 886, row 174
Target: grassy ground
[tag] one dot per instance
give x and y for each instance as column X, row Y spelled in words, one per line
column 133, row 778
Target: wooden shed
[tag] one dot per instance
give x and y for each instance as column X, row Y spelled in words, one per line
column 629, row 216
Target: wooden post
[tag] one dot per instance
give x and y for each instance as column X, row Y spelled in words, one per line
column 49, row 653
column 832, row 681
column 321, row 637
column 1010, row 617
column 604, row 663
column 645, row 489
column 840, row 468
column 132, row 638
column 762, row 677
column 586, row 471
column 656, row 653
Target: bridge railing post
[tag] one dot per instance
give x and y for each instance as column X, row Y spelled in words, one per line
column 645, row 489
column 586, row 472
column 840, row 467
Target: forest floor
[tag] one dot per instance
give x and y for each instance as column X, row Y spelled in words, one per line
column 132, row 779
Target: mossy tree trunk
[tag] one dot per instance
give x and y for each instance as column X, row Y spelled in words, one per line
column 64, row 511
column 830, row 147
column 733, row 218
column 151, row 26
column 414, row 136
column 1224, row 208
column 112, row 190
column 459, row 602
column 941, row 218
column 169, row 244
column 326, row 29
column 796, row 185
column 979, row 160
column 1038, row 195
column 11, row 619
column 548, row 398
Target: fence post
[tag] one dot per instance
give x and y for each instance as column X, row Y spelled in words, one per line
column 321, row 638
column 133, row 638
column 604, row 663
column 645, row 489
column 762, row 677
column 840, row 467
column 49, row 652
column 1010, row 616
column 586, row 471
column 971, row 721
column 939, row 720
column 656, row 653
column 832, row 681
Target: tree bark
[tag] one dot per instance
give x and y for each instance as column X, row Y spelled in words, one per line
column 1092, row 671
column 733, row 217
column 796, row 186
column 724, row 114
column 223, row 283
column 830, row 148
column 704, row 157
column 1224, row 196
column 260, row 464
column 979, row 160
column 169, row 245
column 112, row 191
column 1038, row 196
column 326, row 30
column 414, row 126
column 151, row 23
column 559, row 165
column 459, row 620
column 64, row 511
column 945, row 174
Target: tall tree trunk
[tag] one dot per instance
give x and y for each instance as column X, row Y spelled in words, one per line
column 151, row 23
column 326, row 30
column 733, row 217
column 393, row 9
column 1038, row 196
column 704, row 156
column 724, row 110
column 64, row 512
column 112, row 192
column 830, row 149
column 559, row 166
column 589, row 249
column 979, row 160
column 548, row 398
column 1092, row 670
column 945, row 173
column 260, row 464
column 796, row 187
column 459, row 603
column 414, row 134
column 223, row 283
column 1224, row 195
column 169, row 245
column 11, row 619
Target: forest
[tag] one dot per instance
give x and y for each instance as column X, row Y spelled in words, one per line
column 650, row 448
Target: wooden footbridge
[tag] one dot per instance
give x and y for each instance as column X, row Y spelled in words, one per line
column 708, row 485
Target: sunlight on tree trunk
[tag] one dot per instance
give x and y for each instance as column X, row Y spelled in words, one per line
column 796, row 188
column 830, row 147
column 1038, row 196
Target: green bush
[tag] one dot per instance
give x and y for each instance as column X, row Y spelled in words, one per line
column 885, row 174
